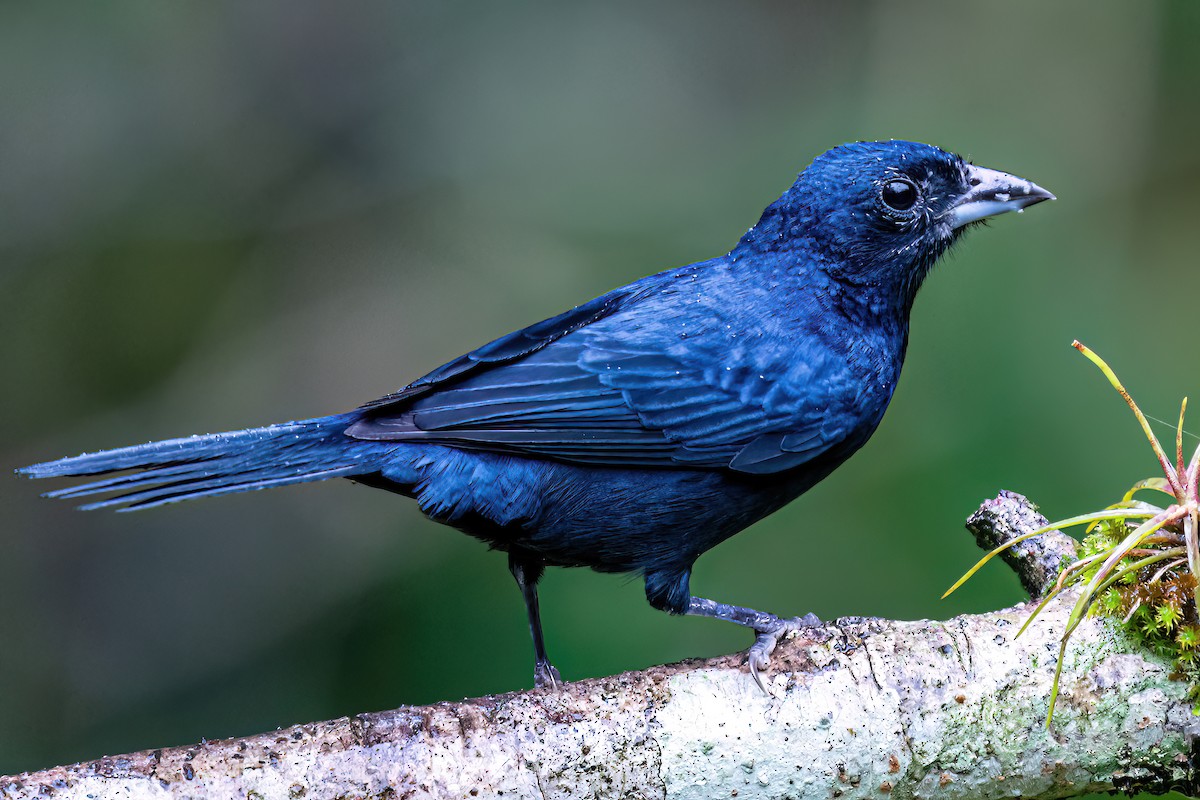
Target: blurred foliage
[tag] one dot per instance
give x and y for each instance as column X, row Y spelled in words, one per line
column 220, row 215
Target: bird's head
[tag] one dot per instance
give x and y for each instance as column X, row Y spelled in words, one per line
column 880, row 213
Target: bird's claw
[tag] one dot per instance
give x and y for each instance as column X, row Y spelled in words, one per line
column 759, row 655
column 545, row 676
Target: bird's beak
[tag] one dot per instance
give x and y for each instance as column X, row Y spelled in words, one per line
column 993, row 192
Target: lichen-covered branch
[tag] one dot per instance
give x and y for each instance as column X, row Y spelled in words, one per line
column 875, row 708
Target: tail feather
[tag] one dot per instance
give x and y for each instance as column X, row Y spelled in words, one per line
column 174, row 493
column 215, row 464
column 120, row 482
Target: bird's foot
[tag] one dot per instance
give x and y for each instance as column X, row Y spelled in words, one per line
column 768, row 628
column 769, row 632
column 545, row 676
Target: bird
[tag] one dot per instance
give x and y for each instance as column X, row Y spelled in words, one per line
column 636, row 431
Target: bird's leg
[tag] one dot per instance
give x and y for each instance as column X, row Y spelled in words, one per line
column 668, row 591
column 528, row 573
column 768, row 627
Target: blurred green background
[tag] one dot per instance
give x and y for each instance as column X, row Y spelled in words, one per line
column 218, row 215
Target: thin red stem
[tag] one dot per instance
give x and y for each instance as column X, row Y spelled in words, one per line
column 1179, row 438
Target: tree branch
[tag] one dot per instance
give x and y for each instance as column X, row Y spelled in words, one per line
column 1036, row 561
column 907, row 709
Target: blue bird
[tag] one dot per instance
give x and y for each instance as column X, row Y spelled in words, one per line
column 638, row 430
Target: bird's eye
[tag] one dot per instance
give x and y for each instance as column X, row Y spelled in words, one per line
column 899, row 195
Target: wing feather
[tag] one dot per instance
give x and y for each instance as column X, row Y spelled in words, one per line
column 597, row 385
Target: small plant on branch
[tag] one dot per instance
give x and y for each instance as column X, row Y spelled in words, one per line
column 1139, row 559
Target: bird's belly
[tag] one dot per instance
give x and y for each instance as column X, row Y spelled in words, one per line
column 625, row 520
column 610, row 519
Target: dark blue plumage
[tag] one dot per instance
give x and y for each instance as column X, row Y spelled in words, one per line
column 636, row 431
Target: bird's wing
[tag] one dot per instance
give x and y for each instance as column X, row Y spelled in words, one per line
column 614, row 395
column 513, row 346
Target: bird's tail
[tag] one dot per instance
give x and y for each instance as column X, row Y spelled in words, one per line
column 217, row 463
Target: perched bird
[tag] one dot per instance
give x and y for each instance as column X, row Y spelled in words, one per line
column 638, row 430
